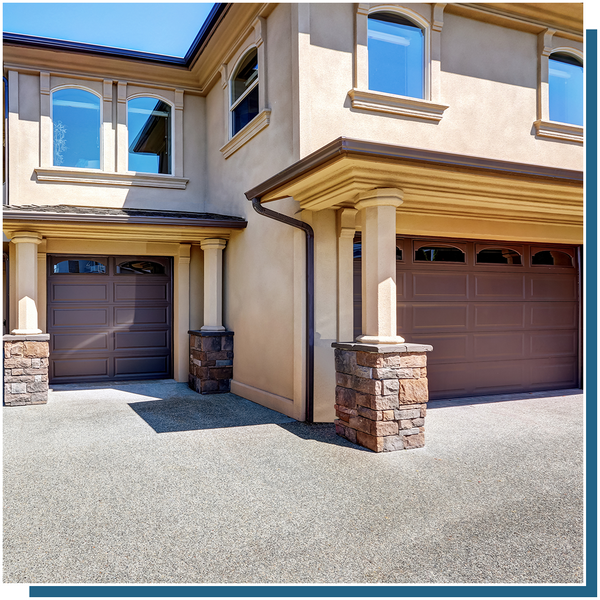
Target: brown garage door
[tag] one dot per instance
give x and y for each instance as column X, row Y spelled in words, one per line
column 501, row 317
column 109, row 318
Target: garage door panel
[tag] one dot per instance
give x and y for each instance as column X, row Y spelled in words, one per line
column 79, row 293
column 549, row 287
column 142, row 365
column 500, row 286
column 79, row 317
column 141, row 315
column 448, row 380
column 141, row 293
column 439, row 317
column 500, row 345
column 445, row 347
column 496, row 375
column 554, row 343
column 141, row 339
column 442, row 286
column 559, row 372
column 80, row 368
column 62, row 342
column 499, row 315
column 553, row 315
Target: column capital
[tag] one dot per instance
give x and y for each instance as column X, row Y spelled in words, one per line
column 379, row 197
column 29, row 237
column 217, row 244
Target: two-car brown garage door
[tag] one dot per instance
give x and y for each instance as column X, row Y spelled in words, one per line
column 109, row 318
column 501, row 317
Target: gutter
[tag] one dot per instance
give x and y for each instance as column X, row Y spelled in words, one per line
column 310, row 297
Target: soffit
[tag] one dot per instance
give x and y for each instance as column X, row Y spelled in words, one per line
column 432, row 184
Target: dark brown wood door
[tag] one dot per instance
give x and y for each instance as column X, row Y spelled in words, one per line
column 109, row 318
column 501, row 317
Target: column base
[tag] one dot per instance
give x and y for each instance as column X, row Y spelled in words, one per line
column 211, row 361
column 381, row 395
column 26, row 369
column 381, row 339
column 212, row 328
column 26, row 332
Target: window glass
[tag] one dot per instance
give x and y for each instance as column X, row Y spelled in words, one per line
column 76, row 128
column 79, row 266
column 141, row 267
column 149, row 127
column 502, row 256
column 552, row 258
column 439, row 254
column 396, row 55
column 566, row 89
column 244, row 92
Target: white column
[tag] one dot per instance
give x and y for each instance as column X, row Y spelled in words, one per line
column 25, row 294
column 213, row 284
column 361, row 56
column 108, row 133
column 378, row 208
column 122, row 137
column 181, row 313
column 345, row 253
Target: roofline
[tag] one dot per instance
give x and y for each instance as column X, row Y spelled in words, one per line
column 198, row 45
column 351, row 148
column 18, row 215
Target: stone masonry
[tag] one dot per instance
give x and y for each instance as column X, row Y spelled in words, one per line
column 211, row 361
column 26, row 369
column 381, row 395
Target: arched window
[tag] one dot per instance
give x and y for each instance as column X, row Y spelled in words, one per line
column 396, row 48
column 149, row 127
column 244, row 92
column 76, row 124
column 565, row 79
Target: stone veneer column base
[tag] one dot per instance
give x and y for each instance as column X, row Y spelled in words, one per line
column 26, row 369
column 211, row 361
column 381, row 395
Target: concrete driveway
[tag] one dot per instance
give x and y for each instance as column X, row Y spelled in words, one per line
column 154, row 483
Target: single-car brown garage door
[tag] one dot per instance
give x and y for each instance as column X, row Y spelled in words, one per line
column 501, row 317
column 109, row 318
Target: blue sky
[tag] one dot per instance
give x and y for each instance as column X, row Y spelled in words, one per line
column 163, row 28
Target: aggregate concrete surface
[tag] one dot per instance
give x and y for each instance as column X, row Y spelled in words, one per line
column 152, row 483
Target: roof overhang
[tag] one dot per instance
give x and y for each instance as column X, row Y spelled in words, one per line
column 119, row 224
column 433, row 184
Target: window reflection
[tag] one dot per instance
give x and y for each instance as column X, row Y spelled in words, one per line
column 79, row 266
column 244, row 92
column 552, row 258
column 502, row 256
column 396, row 55
column 149, row 127
column 76, row 128
column 566, row 89
column 141, row 267
column 439, row 254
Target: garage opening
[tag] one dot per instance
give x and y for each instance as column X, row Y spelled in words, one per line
column 501, row 316
column 110, row 318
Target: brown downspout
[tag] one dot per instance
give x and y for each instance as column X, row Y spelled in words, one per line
column 310, row 297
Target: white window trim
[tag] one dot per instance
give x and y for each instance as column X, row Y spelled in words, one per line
column 544, row 127
column 257, row 35
column 361, row 97
column 113, row 167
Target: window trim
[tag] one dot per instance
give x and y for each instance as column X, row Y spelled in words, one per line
column 544, row 127
column 69, row 86
column 172, row 132
column 255, row 84
column 429, row 107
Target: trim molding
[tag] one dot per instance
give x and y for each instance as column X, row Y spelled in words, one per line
column 247, row 133
column 268, row 399
column 91, row 176
column 415, row 108
column 559, row 131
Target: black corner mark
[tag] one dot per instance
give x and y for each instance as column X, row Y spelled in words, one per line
column 14, row 593
column 593, row 12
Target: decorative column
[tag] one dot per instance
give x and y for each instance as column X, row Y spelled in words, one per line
column 345, row 250
column 26, row 351
column 381, row 382
column 211, row 347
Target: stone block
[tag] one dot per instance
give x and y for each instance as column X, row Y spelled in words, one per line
column 391, row 443
column 17, row 363
column 364, row 372
column 384, row 428
column 224, row 385
column 388, row 415
column 369, row 413
column 209, row 385
column 344, row 409
column 413, row 413
column 342, row 416
column 345, row 362
column 414, row 441
column 413, row 360
column 405, row 424
column 13, row 348
column 413, row 391
column 227, row 343
column 211, row 343
column 409, row 432
column 371, row 442
column 36, row 349
column 360, row 424
column 344, row 380
column 423, row 410
column 393, row 373
column 221, row 372
column 18, row 388
column 377, row 402
column 36, row 386
column 345, row 397
column 420, row 422
column 369, row 359
column 224, row 363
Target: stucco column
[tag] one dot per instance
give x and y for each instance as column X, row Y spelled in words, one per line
column 26, row 268
column 213, row 284
column 345, row 284
column 378, row 211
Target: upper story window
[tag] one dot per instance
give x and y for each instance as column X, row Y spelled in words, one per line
column 396, row 48
column 244, row 105
column 76, row 122
column 149, row 129
column 565, row 80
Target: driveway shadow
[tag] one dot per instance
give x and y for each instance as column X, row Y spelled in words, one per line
column 215, row 411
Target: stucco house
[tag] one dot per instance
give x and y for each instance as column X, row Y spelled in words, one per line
column 311, row 206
